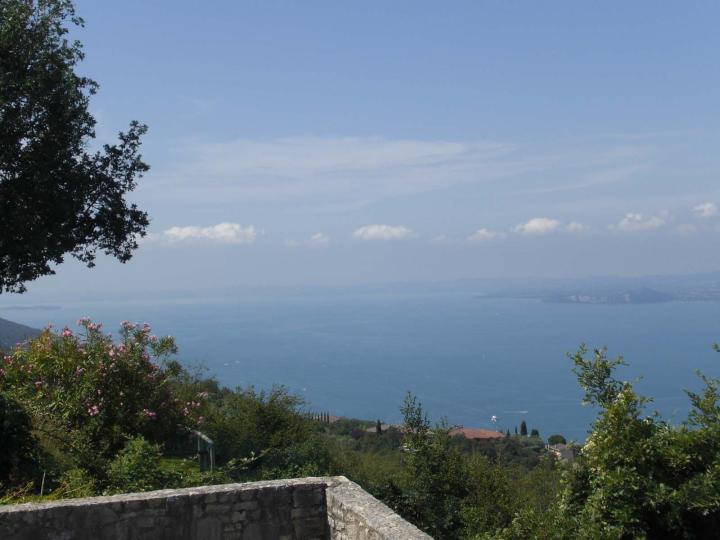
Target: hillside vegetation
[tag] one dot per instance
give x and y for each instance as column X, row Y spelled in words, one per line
column 12, row 333
column 83, row 414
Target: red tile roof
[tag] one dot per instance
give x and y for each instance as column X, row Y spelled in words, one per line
column 477, row 433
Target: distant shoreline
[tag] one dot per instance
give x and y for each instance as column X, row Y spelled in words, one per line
column 39, row 307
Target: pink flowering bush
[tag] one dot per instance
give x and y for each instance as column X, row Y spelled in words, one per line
column 88, row 394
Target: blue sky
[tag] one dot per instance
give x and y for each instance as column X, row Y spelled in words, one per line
column 338, row 143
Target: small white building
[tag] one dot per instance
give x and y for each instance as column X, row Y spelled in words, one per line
column 563, row 452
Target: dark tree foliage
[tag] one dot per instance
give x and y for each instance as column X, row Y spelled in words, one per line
column 19, row 447
column 435, row 476
column 56, row 197
column 556, row 439
column 523, row 429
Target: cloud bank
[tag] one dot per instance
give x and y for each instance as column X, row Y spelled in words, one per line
column 319, row 239
column 330, row 168
column 228, row 233
column 538, row 226
column 633, row 222
column 705, row 210
column 483, row 235
column 382, row 232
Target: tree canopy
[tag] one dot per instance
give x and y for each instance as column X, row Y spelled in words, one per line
column 56, row 196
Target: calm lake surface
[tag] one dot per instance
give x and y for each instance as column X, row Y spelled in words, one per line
column 465, row 357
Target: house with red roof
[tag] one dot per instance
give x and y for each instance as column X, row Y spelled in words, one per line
column 477, row 434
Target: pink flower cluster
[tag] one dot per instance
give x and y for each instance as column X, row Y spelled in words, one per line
column 128, row 326
column 150, row 414
column 93, row 410
column 87, row 323
column 66, row 332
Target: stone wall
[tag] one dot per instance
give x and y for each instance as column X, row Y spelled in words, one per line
column 353, row 513
column 305, row 508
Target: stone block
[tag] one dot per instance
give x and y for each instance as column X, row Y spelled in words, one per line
column 246, row 505
column 307, row 511
column 312, row 496
column 218, row 508
column 252, row 531
column 227, row 497
column 248, row 494
column 238, row 515
column 305, row 529
column 208, row 529
column 267, row 497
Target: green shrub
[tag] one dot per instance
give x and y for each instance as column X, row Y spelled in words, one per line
column 246, row 422
column 87, row 394
column 434, row 480
column 19, row 451
column 556, row 439
column 637, row 476
column 137, row 467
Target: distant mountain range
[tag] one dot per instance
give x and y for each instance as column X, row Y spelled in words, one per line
column 12, row 333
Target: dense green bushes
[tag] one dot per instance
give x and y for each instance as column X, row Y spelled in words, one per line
column 19, row 454
column 137, row 468
column 87, row 395
column 637, row 476
column 77, row 408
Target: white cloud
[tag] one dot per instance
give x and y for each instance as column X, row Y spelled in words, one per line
column 638, row 222
column 302, row 156
column 575, row 227
column 316, row 240
column 537, row 226
column 321, row 168
column 382, row 232
column 483, row 235
column 319, row 239
column 230, row 233
column 705, row 210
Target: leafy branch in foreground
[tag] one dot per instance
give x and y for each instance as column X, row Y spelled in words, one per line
column 638, row 476
column 56, row 197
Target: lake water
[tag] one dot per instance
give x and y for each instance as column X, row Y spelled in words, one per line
column 466, row 358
